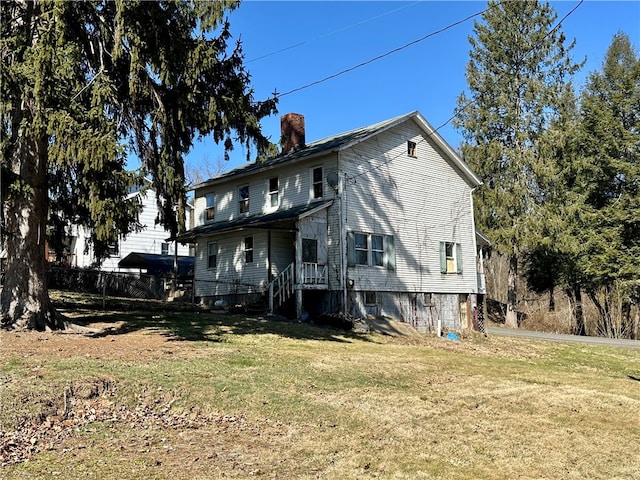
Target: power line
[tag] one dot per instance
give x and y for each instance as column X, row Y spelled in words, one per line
column 469, row 103
column 379, row 57
column 342, row 29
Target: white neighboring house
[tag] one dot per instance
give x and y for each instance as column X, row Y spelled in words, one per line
column 378, row 220
column 151, row 239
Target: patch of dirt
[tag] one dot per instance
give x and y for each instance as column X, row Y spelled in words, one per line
column 389, row 326
column 130, row 346
column 88, row 403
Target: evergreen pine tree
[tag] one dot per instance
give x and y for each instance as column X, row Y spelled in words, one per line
column 84, row 85
column 519, row 70
column 608, row 180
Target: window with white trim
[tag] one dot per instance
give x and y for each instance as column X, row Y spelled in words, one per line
column 274, row 187
column 377, row 250
column 450, row 257
column 316, row 182
column 243, row 199
column 210, row 208
column 248, row 249
column 113, row 249
column 412, row 149
column 361, row 249
column 212, row 254
column 164, row 248
column 369, row 249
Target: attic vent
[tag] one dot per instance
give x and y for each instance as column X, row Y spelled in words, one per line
column 292, row 132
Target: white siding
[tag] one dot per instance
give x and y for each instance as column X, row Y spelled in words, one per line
column 420, row 201
column 148, row 240
column 232, row 274
column 294, row 184
column 282, row 250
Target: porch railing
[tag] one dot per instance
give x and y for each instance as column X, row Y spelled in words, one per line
column 281, row 287
column 314, row 274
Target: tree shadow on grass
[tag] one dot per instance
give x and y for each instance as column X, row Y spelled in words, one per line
column 182, row 322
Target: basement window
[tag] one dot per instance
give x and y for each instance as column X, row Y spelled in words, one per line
column 370, row 298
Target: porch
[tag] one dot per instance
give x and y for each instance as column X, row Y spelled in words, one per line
column 310, row 276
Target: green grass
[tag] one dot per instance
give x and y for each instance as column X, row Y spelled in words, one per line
column 273, row 399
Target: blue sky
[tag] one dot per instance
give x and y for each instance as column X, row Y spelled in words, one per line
column 290, row 44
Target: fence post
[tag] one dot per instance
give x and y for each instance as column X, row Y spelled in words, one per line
column 104, row 291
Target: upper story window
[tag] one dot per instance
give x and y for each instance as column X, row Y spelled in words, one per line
column 372, row 250
column 210, row 209
column 113, row 249
column 248, row 249
column 164, row 248
column 412, row 149
column 316, row 182
column 450, row 257
column 243, row 199
column 274, row 187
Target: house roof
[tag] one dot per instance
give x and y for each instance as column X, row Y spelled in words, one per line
column 346, row 140
column 277, row 219
column 141, row 191
column 158, row 264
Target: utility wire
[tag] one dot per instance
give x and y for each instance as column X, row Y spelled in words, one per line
column 379, row 57
column 353, row 178
column 342, row 29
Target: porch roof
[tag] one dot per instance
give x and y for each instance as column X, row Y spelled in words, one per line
column 276, row 219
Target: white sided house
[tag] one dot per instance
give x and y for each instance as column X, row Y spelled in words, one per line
column 378, row 221
column 152, row 239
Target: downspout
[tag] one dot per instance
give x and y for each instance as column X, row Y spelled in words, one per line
column 475, row 246
column 480, row 303
column 343, row 236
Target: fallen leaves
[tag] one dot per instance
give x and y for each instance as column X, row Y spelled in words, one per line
column 84, row 406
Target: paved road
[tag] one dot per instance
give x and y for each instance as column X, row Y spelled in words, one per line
column 557, row 337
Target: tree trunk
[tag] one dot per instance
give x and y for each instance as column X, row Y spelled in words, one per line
column 24, row 302
column 626, row 320
column 552, row 299
column 575, row 298
column 511, row 318
column 605, row 327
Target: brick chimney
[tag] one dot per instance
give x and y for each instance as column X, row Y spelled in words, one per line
column 292, row 132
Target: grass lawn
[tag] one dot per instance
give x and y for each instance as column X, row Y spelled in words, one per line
column 167, row 393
